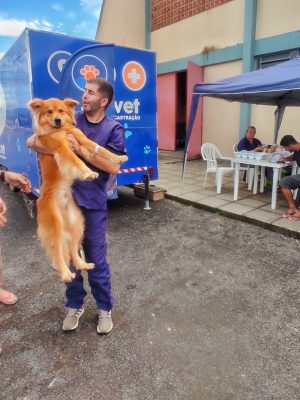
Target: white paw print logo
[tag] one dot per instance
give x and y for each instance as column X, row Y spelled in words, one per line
column 147, row 149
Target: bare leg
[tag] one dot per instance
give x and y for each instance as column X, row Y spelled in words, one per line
column 287, row 193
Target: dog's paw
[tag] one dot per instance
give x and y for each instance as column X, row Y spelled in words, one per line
column 119, row 159
column 91, row 175
column 87, row 266
column 68, row 276
column 123, row 159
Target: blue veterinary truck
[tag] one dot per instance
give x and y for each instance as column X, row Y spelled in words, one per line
column 43, row 64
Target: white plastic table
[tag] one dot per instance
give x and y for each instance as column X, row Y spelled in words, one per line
column 263, row 164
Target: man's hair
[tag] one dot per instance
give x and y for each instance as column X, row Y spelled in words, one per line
column 287, row 140
column 250, row 127
column 104, row 87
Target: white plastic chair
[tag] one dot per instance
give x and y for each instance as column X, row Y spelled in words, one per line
column 249, row 171
column 210, row 153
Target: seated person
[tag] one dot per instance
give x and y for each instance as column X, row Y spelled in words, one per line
column 249, row 142
column 292, row 182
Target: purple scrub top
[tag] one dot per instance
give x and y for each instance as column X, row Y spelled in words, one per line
column 107, row 133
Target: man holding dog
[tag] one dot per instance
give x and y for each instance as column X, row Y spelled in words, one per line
column 91, row 197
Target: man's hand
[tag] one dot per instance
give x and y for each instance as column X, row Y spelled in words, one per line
column 284, row 159
column 35, row 144
column 18, row 180
column 2, row 212
column 2, row 207
column 73, row 143
column 3, row 221
column 259, row 148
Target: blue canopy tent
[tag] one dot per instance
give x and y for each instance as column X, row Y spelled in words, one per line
column 278, row 86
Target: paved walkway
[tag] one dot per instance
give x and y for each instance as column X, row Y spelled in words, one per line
column 255, row 209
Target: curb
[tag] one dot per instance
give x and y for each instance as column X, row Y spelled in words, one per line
column 242, row 218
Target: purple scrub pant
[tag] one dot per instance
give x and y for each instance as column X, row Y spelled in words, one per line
column 94, row 245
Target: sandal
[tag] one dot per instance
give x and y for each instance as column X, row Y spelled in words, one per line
column 293, row 218
column 8, row 298
column 288, row 214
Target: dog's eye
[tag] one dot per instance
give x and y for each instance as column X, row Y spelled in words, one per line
column 49, row 112
column 61, row 110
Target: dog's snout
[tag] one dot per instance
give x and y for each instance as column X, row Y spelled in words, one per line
column 57, row 121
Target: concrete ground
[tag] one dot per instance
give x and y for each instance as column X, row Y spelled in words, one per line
column 207, row 308
column 253, row 208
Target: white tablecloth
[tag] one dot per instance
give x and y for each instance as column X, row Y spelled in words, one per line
column 263, row 164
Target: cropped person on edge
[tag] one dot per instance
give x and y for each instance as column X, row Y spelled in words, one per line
column 22, row 183
column 292, row 182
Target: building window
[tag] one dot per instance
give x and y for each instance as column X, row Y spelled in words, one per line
column 273, row 59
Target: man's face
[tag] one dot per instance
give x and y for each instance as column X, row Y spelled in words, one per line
column 92, row 99
column 290, row 147
column 251, row 133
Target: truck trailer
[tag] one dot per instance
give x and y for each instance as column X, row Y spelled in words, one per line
column 43, row 64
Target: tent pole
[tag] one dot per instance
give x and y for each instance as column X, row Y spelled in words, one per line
column 192, row 116
column 278, row 119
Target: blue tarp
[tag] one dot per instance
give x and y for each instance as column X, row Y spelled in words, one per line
column 271, row 86
column 278, row 85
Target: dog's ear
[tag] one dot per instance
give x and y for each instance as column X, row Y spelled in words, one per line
column 71, row 103
column 35, row 105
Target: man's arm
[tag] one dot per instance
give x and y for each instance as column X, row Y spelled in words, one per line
column 258, row 148
column 18, row 180
column 289, row 158
column 241, row 145
column 35, row 144
column 97, row 161
column 103, row 164
column 15, row 179
column 3, row 220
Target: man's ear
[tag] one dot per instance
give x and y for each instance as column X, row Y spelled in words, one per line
column 104, row 101
column 71, row 103
column 35, row 105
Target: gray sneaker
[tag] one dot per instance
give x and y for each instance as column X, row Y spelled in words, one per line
column 105, row 323
column 72, row 319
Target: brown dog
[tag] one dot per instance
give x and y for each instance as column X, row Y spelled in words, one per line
column 60, row 223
